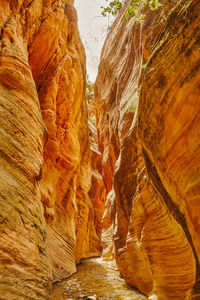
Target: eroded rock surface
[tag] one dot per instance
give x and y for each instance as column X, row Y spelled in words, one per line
column 97, row 191
column 46, row 216
column 150, row 148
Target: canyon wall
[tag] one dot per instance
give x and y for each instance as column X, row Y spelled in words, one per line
column 46, row 215
column 147, row 100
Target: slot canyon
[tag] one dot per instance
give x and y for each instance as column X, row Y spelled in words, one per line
column 99, row 193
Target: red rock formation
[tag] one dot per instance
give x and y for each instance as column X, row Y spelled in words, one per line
column 24, row 267
column 152, row 209
column 173, row 121
column 46, row 216
column 97, row 192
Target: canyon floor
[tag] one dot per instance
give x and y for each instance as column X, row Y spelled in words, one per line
column 95, row 279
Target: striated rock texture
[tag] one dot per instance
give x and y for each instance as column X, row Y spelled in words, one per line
column 147, row 93
column 46, row 216
column 97, row 191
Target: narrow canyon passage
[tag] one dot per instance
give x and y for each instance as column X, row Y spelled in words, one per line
column 95, row 279
column 109, row 169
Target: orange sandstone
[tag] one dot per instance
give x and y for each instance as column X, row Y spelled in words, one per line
column 149, row 143
column 46, row 216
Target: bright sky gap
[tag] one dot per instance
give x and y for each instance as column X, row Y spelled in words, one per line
column 93, row 28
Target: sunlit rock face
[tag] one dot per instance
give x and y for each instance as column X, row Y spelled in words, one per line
column 46, row 216
column 97, row 191
column 148, row 125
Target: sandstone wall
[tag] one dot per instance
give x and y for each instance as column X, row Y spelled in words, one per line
column 147, row 116
column 97, row 191
column 46, row 216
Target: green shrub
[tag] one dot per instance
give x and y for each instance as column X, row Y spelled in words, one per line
column 133, row 10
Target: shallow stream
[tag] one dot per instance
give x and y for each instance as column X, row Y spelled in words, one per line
column 95, row 280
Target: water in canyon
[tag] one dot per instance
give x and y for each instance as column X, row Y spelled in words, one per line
column 95, row 279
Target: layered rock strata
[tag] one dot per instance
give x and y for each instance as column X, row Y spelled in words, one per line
column 97, row 191
column 147, row 104
column 46, row 216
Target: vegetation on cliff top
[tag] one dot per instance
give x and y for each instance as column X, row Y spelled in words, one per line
column 134, row 9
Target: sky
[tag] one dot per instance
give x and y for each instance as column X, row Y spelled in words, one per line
column 93, row 29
